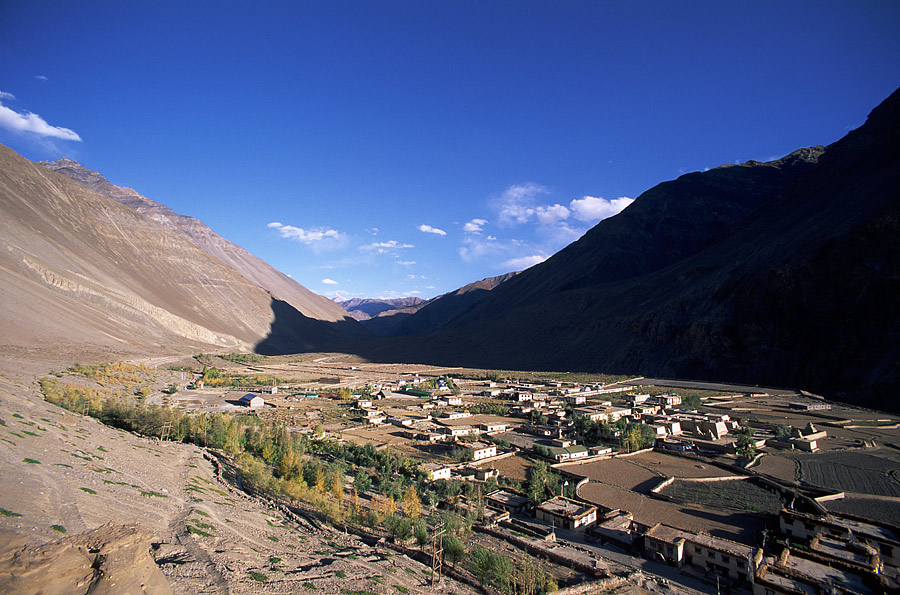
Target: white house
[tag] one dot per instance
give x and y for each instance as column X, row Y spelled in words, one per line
column 436, row 471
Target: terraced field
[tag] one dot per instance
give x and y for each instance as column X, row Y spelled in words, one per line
column 741, row 494
column 876, row 473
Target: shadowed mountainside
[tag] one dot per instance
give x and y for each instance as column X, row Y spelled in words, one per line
column 436, row 312
column 780, row 273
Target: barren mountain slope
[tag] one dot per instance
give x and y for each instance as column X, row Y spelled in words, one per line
column 82, row 271
column 254, row 269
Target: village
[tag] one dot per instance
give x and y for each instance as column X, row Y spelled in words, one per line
column 720, row 485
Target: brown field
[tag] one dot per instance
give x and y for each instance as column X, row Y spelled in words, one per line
column 675, row 466
column 779, row 467
column 737, row 527
column 515, row 467
column 618, row 472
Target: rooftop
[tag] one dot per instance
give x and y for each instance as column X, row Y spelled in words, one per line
column 564, row 507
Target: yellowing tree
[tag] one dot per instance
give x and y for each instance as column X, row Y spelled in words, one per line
column 411, row 504
column 388, row 506
column 337, row 486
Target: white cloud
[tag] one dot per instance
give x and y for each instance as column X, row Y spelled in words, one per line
column 523, row 262
column 430, row 287
column 429, row 229
column 41, row 77
column 31, row 123
column 592, row 208
column 373, row 231
column 389, row 244
column 406, row 263
column 551, row 214
column 475, row 226
column 329, row 282
column 517, row 203
column 306, row 236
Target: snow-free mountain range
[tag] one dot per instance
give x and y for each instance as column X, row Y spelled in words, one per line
column 783, row 273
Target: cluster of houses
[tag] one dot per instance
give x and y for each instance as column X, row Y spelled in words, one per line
column 826, row 553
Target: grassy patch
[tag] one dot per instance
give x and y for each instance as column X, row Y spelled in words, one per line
column 58, row 528
column 409, row 570
column 29, row 433
column 274, row 560
column 87, row 490
column 401, row 588
column 101, row 449
column 17, row 435
column 378, row 579
column 203, row 525
column 340, row 574
column 309, row 586
column 201, row 513
column 272, row 538
column 258, row 577
column 32, row 461
column 350, row 592
column 18, row 415
column 64, row 465
column 197, row 531
column 4, row 512
column 151, row 494
column 78, row 456
column 392, row 570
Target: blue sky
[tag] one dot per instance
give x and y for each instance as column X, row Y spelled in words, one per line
column 392, row 148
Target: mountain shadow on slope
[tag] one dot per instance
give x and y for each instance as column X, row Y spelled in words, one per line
column 292, row 332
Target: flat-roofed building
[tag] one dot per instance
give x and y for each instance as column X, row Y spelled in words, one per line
column 566, row 513
column 482, row 450
column 724, row 557
column 799, row 525
column 507, row 499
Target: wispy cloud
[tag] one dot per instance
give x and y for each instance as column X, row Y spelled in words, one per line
column 329, row 282
column 306, row 236
column 41, row 77
column 517, row 203
column 27, row 122
column 593, row 208
column 406, row 263
column 429, row 229
column 475, row 226
column 523, row 262
column 391, row 247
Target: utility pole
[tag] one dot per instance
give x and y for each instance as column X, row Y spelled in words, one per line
column 437, row 553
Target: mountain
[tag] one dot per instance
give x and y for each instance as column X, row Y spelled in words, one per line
column 249, row 266
column 81, row 273
column 366, row 308
column 784, row 273
column 436, row 312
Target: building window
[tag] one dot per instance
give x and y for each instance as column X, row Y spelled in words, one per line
column 726, row 559
column 696, row 549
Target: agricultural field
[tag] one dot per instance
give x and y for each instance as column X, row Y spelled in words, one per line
column 779, row 467
column 515, row 467
column 675, row 466
column 620, row 472
column 741, row 494
column 875, row 472
column 878, row 509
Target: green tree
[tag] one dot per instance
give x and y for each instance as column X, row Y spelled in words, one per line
column 454, row 549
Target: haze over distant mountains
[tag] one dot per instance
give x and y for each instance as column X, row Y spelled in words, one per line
column 782, row 273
